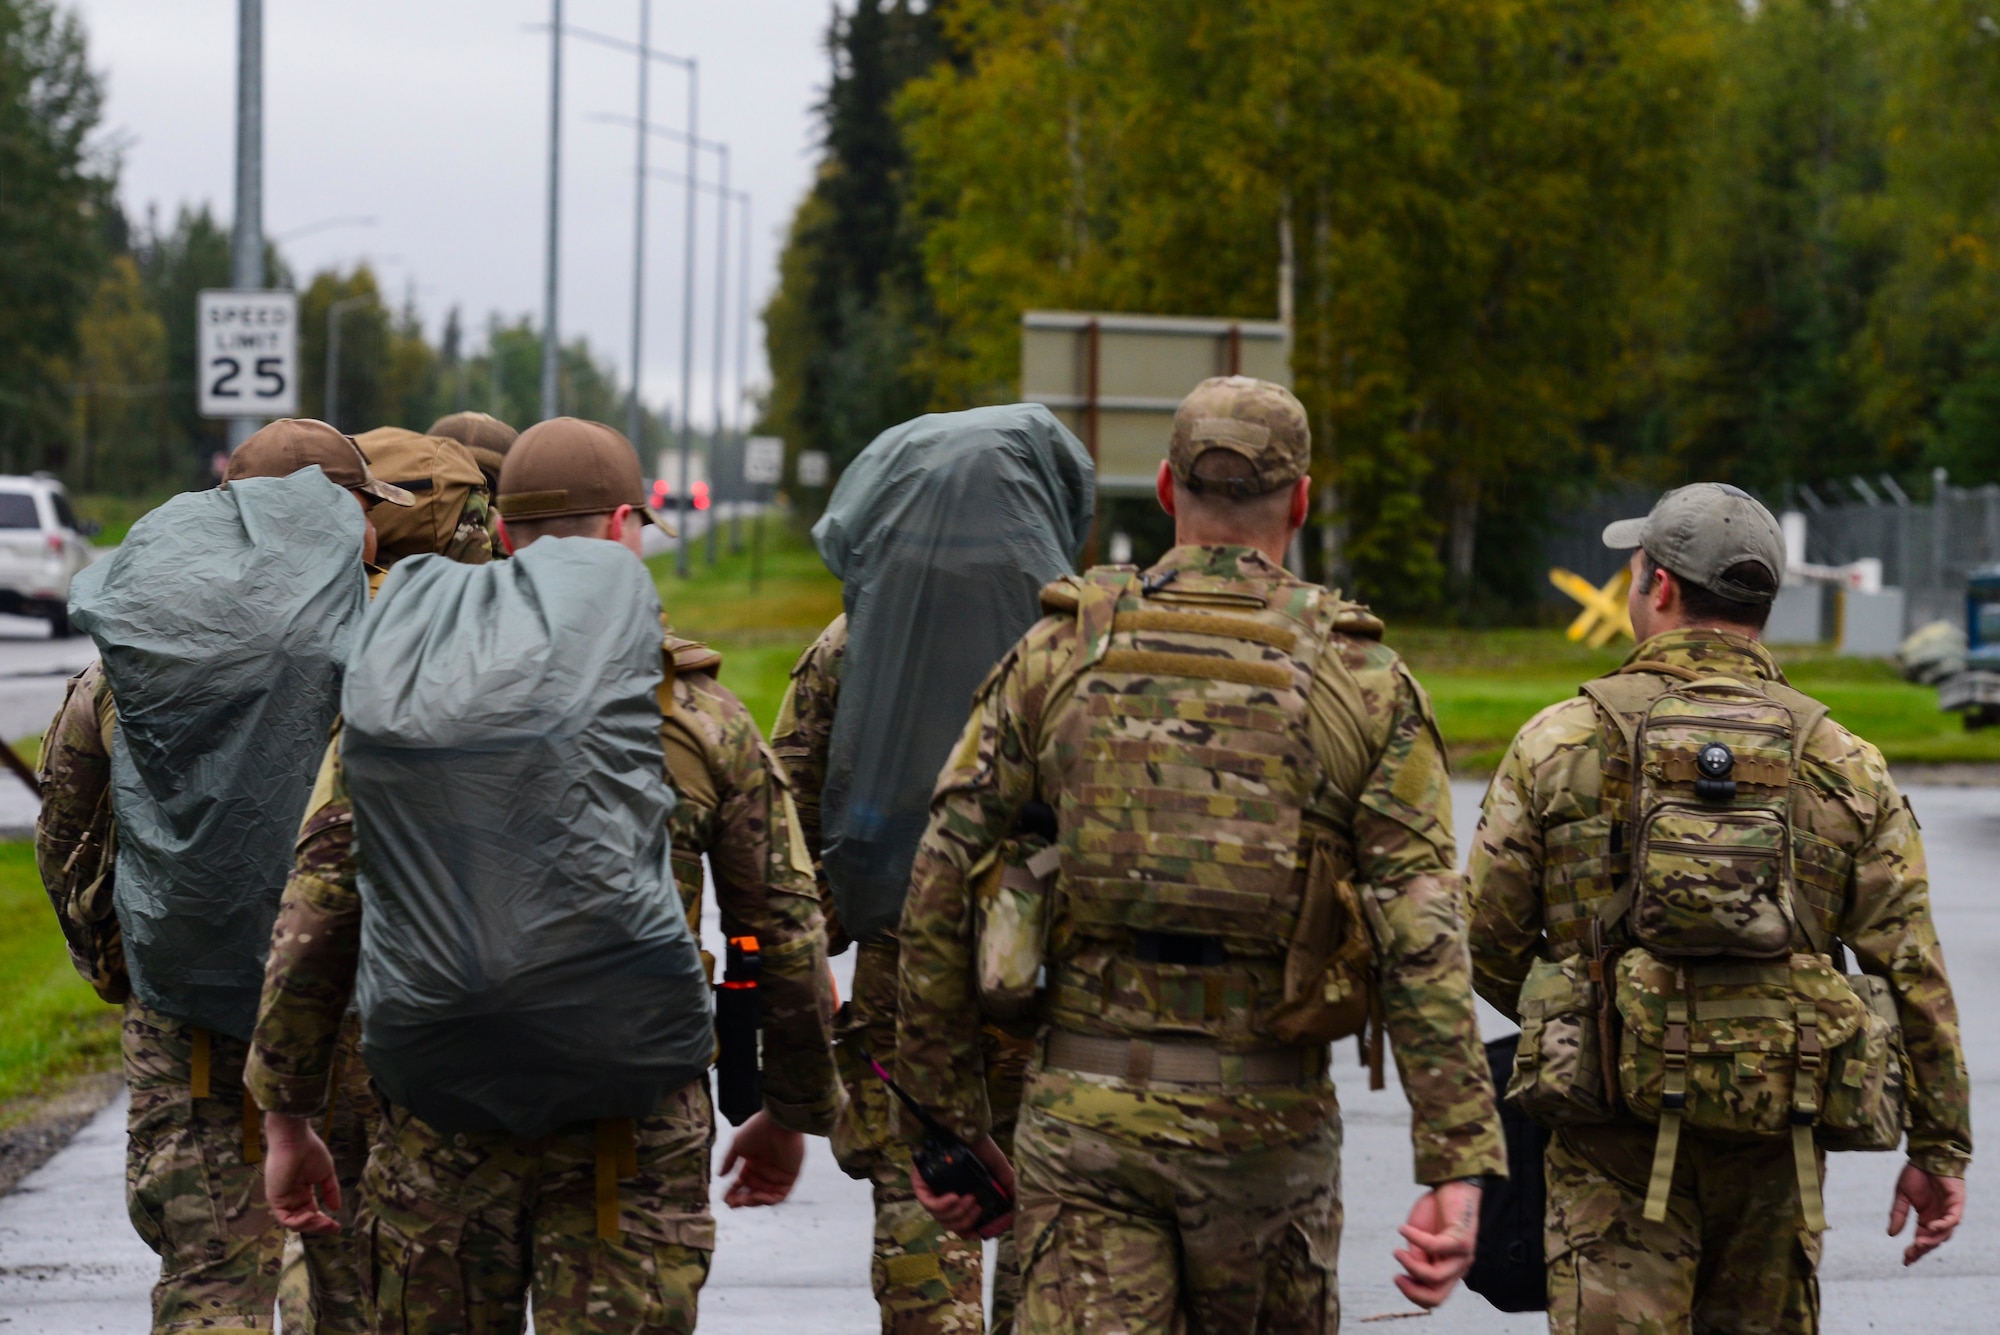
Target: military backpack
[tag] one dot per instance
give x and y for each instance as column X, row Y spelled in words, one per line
column 1695, row 1004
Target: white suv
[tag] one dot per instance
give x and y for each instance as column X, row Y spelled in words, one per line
column 41, row 547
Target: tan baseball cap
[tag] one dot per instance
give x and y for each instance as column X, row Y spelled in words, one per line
column 285, row 446
column 1262, row 421
column 486, row 436
column 1702, row 530
column 440, row 475
column 567, row 466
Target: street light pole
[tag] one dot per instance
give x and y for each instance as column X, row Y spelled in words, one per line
column 551, row 405
column 333, row 314
column 634, row 416
column 247, row 242
column 742, row 360
column 721, row 332
column 687, row 318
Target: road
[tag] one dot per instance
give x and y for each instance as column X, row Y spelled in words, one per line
column 69, row 1262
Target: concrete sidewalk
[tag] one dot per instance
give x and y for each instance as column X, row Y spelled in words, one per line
column 69, row 1262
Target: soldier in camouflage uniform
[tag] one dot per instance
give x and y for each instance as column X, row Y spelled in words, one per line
column 320, row 1288
column 925, row 1279
column 193, row 1187
column 1224, row 746
column 1732, row 1253
column 462, row 1228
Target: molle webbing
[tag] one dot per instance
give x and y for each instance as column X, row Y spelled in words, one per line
column 1182, row 808
column 1207, row 623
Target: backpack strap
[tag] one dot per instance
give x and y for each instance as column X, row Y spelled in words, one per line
column 1622, row 700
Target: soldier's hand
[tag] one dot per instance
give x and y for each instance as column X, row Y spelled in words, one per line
column 299, row 1181
column 770, row 1156
column 960, row 1214
column 1939, row 1203
column 1442, row 1231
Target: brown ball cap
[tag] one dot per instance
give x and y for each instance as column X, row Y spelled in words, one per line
column 439, row 474
column 1259, row 420
column 292, row 443
column 567, row 466
column 487, row 437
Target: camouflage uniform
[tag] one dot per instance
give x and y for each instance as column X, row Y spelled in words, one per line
column 193, row 1185
column 1729, row 1251
column 1213, row 1205
column 461, row 1227
column 925, row 1279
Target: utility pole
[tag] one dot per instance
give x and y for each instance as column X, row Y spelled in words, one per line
column 687, row 319
column 721, row 333
column 493, row 368
column 247, row 244
column 551, row 339
column 742, row 363
column 635, row 420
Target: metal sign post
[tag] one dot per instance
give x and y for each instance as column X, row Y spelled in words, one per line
column 763, row 466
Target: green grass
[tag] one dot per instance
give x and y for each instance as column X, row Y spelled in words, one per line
column 52, row 1026
column 116, row 513
column 1486, row 684
column 760, row 632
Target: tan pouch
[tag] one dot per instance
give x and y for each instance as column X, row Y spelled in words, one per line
column 1867, row 1078
column 1558, row 1077
column 1010, row 909
column 1329, row 964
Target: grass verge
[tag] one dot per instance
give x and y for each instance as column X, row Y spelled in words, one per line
column 52, row 1026
column 1486, row 684
column 761, row 627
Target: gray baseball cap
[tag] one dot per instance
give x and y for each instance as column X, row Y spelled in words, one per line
column 1701, row 530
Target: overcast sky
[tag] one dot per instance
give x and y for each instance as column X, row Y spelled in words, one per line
column 432, row 115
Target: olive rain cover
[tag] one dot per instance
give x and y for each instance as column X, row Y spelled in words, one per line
column 524, row 959
column 224, row 621
column 942, row 532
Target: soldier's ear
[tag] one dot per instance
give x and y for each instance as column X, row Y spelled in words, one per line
column 1301, row 501
column 1163, row 486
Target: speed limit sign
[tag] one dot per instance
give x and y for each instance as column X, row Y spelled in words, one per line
column 247, row 353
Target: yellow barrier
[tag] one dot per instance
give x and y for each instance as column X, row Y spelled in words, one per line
column 1604, row 617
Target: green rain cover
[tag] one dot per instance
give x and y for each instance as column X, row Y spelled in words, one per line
column 224, row 621
column 524, row 959
column 943, row 532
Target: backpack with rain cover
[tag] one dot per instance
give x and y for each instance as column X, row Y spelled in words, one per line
column 224, row 621
column 525, row 962
column 942, row 532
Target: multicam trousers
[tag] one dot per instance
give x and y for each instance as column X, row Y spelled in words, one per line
column 194, row 1184
column 461, row 1229
column 1144, row 1234
column 926, row 1281
column 1730, row 1256
column 319, row 1291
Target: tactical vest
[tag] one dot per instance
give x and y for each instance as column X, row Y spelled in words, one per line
column 1187, row 805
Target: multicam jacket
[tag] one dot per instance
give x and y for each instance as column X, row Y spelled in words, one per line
column 734, row 807
column 804, row 735
column 1542, row 858
column 1384, row 799
column 73, row 834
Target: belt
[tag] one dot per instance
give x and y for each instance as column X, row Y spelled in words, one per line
column 1179, row 1062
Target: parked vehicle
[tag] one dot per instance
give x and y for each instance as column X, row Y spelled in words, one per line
column 42, row 546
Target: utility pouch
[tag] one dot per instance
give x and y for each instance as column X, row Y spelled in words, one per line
column 1737, row 1049
column 1867, row 1078
column 1329, row 963
column 1558, row 1076
column 1010, row 910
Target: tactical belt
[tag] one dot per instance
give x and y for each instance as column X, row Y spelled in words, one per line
column 1181, row 1063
